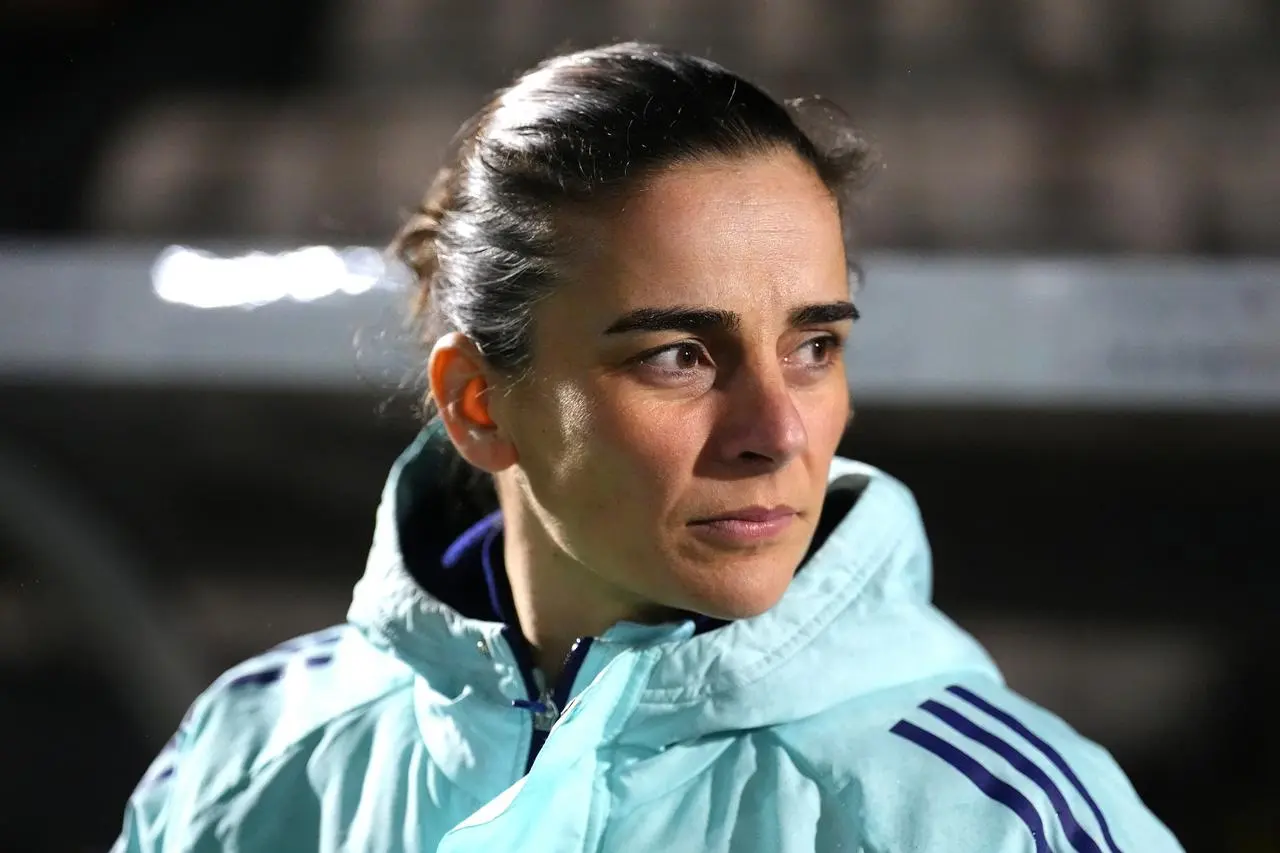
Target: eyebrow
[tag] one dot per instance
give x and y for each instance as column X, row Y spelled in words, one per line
column 695, row 320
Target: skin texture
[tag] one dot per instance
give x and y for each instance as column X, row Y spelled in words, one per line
column 612, row 447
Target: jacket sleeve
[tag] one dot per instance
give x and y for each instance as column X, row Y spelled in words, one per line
column 981, row 769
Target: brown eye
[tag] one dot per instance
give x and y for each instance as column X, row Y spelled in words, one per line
column 822, row 348
column 819, row 352
column 687, row 356
column 676, row 358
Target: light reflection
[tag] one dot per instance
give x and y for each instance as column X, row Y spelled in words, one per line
column 200, row 279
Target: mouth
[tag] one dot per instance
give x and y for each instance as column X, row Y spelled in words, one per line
column 748, row 525
column 754, row 514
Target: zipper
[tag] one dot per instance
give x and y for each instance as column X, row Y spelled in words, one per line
column 546, row 702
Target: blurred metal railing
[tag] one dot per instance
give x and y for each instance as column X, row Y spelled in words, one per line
column 1106, row 333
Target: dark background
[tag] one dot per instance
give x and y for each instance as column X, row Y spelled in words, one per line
column 1119, row 562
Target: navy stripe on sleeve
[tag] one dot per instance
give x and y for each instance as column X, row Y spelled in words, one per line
column 996, row 789
column 1080, row 839
column 1049, row 752
column 261, row 678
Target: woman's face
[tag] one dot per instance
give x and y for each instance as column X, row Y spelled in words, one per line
column 688, row 391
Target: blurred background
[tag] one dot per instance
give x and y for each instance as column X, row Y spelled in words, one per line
column 1070, row 346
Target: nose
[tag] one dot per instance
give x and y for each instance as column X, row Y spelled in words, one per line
column 761, row 425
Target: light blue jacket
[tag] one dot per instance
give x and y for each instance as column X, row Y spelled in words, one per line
column 853, row 716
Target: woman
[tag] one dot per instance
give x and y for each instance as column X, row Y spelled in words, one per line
column 688, row 625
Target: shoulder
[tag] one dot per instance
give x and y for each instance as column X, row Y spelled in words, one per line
column 919, row 766
column 315, row 678
column 276, row 707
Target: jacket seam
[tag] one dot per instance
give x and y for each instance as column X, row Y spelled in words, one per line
column 822, row 780
column 292, row 746
column 226, row 797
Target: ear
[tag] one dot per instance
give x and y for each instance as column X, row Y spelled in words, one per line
column 460, row 388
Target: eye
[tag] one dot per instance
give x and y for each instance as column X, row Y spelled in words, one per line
column 819, row 352
column 676, row 358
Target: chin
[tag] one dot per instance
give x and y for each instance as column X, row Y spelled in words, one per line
column 747, row 594
column 732, row 612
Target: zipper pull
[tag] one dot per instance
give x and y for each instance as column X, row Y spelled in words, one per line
column 546, row 715
column 544, row 709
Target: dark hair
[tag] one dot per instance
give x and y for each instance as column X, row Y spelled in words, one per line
column 483, row 246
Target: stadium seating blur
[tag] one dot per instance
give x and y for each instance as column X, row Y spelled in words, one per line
column 1046, row 125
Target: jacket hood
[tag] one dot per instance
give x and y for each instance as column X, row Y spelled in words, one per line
column 856, row 619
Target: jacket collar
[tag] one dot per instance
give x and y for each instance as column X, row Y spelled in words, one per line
column 862, row 596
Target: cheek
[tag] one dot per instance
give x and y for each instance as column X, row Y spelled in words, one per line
column 653, row 445
column 616, row 494
column 828, row 419
column 572, row 414
column 586, row 450
column 551, row 425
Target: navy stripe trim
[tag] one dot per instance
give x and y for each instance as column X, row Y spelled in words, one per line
column 996, row 789
column 1080, row 839
column 1048, row 751
column 261, row 678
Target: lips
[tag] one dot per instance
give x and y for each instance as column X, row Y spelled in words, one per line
column 748, row 527
column 751, row 514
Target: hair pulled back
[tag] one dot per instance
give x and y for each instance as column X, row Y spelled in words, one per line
column 483, row 247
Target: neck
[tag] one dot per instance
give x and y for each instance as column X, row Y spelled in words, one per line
column 557, row 599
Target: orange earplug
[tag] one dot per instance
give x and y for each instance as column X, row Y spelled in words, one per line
column 472, row 403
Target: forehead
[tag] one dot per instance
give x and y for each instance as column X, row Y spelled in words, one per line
column 758, row 232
